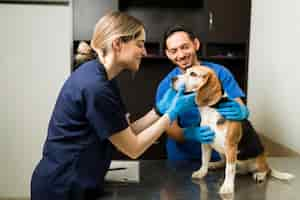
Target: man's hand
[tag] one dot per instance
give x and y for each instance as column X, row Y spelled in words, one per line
column 201, row 134
column 233, row 110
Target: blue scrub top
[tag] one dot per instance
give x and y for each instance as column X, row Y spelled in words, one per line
column 190, row 149
column 77, row 152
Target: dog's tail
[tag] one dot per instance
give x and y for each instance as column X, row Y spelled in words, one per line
column 281, row 175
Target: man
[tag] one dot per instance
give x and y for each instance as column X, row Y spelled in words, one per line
column 185, row 134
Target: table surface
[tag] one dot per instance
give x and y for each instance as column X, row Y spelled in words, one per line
column 161, row 179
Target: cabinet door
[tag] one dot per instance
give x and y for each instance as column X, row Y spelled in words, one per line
column 228, row 20
column 138, row 92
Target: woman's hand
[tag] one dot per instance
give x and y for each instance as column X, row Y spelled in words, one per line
column 162, row 106
column 180, row 103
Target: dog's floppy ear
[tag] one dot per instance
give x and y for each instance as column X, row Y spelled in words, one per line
column 210, row 92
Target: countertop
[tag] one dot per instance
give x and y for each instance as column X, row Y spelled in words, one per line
column 161, row 179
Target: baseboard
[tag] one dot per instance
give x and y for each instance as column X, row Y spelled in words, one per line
column 275, row 149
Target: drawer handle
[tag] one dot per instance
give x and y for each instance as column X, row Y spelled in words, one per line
column 210, row 20
column 156, row 142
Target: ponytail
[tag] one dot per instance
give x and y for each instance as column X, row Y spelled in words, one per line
column 84, row 53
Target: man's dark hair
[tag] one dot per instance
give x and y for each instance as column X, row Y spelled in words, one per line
column 176, row 28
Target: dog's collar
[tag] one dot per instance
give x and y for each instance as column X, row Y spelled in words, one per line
column 186, row 93
column 223, row 99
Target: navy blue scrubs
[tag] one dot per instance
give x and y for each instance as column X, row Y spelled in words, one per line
column 77, row 152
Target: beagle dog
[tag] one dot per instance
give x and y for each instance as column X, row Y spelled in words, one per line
column 236, row 140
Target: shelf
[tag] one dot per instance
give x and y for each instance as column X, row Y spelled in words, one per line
column 225, row 57
column 214, row 51
column 229, row 51
column 153, row 56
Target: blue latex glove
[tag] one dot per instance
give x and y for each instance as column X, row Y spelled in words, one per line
column 190, row 118
column 165, row 102
column 202, row 134
column 233, row 110
column 180, row 103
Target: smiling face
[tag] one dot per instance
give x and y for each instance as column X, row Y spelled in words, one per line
column 132, row 52
column 203, row 81
column 182, row 50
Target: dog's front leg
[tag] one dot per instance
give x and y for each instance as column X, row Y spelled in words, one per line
column 206, row 155
column 230, row 170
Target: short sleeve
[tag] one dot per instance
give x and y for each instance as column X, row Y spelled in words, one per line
column 105, row 111
column 230, row 85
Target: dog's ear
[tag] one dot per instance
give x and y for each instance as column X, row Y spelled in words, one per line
column 210, row 92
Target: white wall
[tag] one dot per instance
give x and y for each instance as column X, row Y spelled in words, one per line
column 35, row 60
column 274, row 70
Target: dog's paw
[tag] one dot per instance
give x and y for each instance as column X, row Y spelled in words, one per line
column 259, row 177
column 200, row 173
column 226, row 191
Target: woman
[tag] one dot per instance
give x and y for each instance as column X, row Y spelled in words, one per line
column 89, row 116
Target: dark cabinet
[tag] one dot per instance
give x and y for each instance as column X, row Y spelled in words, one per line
column 158, row 17
column 223, row 29
column 228, row 20
column 138, row 93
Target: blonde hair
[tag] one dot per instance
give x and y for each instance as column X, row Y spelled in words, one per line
column 110, row 27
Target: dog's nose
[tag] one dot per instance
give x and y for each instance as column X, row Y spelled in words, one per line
column 174, row 79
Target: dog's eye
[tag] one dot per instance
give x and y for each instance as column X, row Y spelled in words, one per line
column 193, row 74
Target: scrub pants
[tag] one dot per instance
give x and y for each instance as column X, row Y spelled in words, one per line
column 63, row 188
